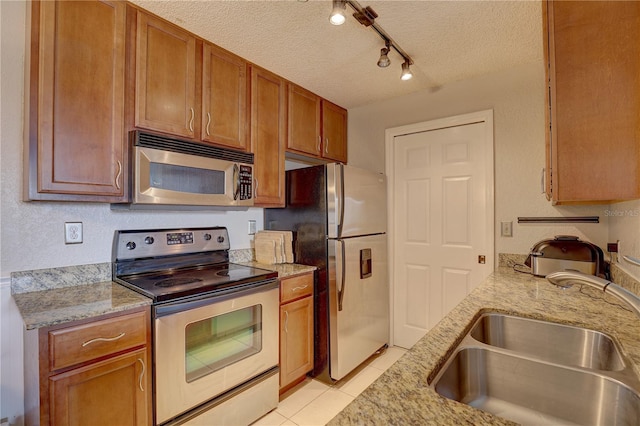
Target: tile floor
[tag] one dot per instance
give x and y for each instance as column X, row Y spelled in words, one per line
column 314, row 403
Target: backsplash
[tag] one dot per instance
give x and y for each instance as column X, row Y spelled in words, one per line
column 53, row 278
column 70, row 276
column 618, row 276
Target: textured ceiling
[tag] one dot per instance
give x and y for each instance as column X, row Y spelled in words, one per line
column 447, row 40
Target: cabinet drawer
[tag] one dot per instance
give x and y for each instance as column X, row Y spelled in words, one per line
column 296, row 287
column 77, row 344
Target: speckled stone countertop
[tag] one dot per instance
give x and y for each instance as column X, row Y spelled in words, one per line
column 57, row 295
column 53, row 296
column 403, row 396
column 55, row 306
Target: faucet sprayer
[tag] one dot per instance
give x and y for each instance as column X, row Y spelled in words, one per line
column 566, row 279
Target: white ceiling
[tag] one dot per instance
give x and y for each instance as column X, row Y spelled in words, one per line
column 447, row 40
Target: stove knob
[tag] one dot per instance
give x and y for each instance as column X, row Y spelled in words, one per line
column 148, row 240
column 220, row 239
column 131, row 245
column 207, row 237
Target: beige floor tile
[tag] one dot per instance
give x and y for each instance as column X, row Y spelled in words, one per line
column 323, row 408
column 296, row 399
column 359, row 382
column 386, row 360
column 272, row 419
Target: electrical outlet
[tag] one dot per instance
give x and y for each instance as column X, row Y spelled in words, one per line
column 506, row 229
column 73, row 232
column 252, row 227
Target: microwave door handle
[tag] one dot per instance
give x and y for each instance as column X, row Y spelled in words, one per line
column 236, row 182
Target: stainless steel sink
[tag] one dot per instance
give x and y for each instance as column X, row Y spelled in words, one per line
column 537, row 372
column 558, row 343
column 535, row 392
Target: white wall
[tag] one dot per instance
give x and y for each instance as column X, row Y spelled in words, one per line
column 517, row 98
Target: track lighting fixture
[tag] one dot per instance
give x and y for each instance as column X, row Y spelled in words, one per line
column 406, row 72
column 337, row 13
column 384, row 61
column 367, row 16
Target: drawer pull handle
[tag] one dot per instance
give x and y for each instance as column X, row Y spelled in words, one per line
column 144, row 369
column 302, row 287
column 103, row 339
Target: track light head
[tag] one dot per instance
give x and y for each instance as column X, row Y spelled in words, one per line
column 384, row 61
column 406, row 71
column 337, row 16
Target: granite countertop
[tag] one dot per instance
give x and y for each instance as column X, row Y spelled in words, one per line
column 402, row 395
column 58, row 305
column 54, row 296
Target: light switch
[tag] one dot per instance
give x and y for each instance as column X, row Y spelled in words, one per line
column 506, row 229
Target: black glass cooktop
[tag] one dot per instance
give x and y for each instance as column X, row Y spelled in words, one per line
column 179, row 283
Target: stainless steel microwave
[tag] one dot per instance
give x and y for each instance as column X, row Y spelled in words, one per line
column 176, row 172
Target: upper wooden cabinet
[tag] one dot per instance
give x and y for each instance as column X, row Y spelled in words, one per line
column 77, row 139
column 268, row 127
column 316, row 127
column 593, row 143
column 334, row 132
column 304, row 121
column 165, row 77
column 171, row 97
column 224, row 98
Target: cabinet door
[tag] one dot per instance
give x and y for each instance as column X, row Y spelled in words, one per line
column 296, row 340
column 224, row 98
column 268, row 118
column 77, row 137
column 165, row 77
column 334, row 132
column 594, row 76
column 115, row 391
column 303, row 121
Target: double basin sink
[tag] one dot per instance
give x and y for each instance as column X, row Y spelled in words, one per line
column 537, row 372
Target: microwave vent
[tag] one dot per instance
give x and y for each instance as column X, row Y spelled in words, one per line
column 164, row 143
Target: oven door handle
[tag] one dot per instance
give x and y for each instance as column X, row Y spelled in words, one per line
column 208, row 298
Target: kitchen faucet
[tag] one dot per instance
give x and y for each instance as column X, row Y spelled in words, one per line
column 566, row 279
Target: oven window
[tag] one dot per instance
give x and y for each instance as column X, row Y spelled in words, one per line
column 214, row 343
column 186, row 179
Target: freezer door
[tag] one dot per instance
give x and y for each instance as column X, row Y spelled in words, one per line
column 359, row 304
column 356, row 201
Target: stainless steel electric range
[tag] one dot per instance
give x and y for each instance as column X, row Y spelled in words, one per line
column 215, row 324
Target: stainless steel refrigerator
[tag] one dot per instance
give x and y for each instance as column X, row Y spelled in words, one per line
column 338, row 215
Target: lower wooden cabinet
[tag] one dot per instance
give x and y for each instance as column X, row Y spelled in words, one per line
column 90, row 372
column 110, row 392
column 296, row 329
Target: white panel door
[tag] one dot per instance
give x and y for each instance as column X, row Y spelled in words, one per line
column 442, row 214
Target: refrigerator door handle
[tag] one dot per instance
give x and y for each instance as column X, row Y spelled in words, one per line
column 343, row 277
column 340, row 200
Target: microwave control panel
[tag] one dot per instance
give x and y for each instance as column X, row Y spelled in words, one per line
column 245, row 182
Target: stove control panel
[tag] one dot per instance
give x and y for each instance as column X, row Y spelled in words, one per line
column 130, row 244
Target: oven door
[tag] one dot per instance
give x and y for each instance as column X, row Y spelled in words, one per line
column 206, row 347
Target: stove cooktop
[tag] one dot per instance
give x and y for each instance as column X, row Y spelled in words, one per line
column 163, row 286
